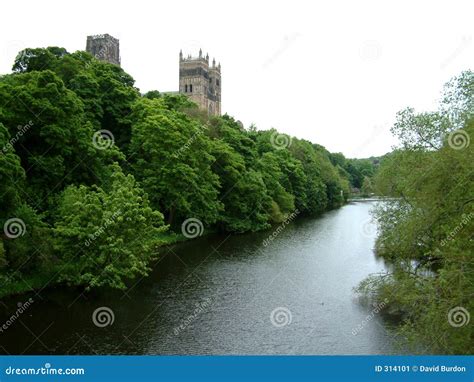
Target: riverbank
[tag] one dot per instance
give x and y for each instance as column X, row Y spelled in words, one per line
column 227, row 294
column 24, row 284
column 40, row 281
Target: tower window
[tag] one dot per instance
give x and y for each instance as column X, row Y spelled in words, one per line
column 185, row 88
column 190, row 88
column 218, row 82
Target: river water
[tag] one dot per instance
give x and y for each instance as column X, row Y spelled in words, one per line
column 224, row 295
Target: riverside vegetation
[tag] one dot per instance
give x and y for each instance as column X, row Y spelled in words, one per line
column 95, row 176
column 425, row 232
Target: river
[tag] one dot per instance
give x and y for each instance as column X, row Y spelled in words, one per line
column 224, row 295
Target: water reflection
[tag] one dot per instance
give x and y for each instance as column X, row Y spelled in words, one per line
column 227, row 295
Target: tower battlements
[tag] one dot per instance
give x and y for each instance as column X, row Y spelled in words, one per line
column 201, row 81
column 104, row 47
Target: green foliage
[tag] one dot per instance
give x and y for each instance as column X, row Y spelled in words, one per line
column 367, row 188
column 426, row 231
column 106, row 91
column 283, row 201
column 88, row 221
column 355, row 170
column 12, row 175
column 53, row 138
column 3, row 258
column 31, row 248
column 171, row 160
column 105, row 237
column 38, row 59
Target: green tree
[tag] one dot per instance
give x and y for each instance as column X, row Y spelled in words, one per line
column 426, row 231
column 56, row 142
column 106, row 236
column 12, row 175
column 367, row 187
column 171, row 159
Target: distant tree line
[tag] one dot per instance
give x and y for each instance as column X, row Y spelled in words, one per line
column 359, row 172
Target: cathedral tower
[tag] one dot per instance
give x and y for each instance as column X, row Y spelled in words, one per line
column 104, row 47
column 201, row 82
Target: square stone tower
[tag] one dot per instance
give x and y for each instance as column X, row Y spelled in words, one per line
column 104, row 47
column 201, row 82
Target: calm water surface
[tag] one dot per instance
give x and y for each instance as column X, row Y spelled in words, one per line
column 226, row 295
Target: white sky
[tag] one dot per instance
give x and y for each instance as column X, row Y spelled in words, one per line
column 333, row 72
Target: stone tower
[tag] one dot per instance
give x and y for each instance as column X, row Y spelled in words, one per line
column 201, row 82
column 104, row 47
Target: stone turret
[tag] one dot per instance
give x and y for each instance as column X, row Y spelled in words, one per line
column 200, row 82
column 104, row 47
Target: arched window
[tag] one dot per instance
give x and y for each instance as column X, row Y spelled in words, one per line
column 185, row 88
column 190, row 88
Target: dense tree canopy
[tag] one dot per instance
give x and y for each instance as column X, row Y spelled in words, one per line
column 94, row 176
column 93, row 170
